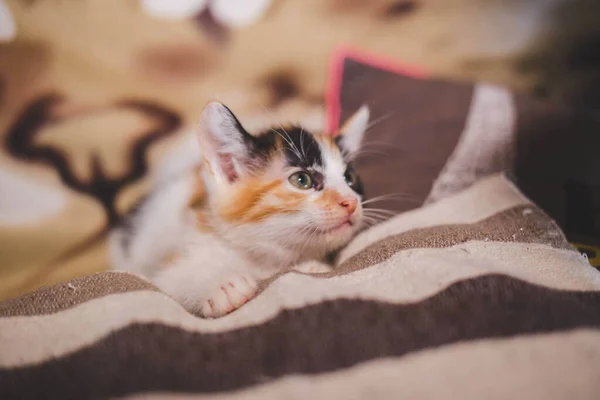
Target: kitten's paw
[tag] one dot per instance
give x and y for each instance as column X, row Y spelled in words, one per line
column 313, row 267
column 231, row 295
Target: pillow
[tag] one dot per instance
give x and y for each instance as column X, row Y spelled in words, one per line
column 475, row 295
column 439, row 137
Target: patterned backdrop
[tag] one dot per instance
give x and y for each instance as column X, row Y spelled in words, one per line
column 93, row 92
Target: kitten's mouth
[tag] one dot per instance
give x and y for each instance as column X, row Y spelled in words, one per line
column 338, row 228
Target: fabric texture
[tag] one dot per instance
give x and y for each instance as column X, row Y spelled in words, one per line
column 476, row 295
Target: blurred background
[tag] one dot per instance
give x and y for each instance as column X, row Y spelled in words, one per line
column 93, row 92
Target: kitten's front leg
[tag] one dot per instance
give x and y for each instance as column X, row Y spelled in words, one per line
column 210, row 289
column 231, row 294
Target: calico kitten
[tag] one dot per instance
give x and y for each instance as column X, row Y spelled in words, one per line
column 247, row 208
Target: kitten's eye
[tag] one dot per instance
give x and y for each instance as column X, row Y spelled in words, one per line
column 302, row 180
column 351, row 178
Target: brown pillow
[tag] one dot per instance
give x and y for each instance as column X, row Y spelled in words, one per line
column 431, row 138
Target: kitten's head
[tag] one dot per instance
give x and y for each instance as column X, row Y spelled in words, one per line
column 288, row 186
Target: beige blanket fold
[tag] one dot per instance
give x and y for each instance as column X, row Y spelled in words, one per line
column 476, row 296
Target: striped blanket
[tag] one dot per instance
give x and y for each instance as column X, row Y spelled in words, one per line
column 476, row 296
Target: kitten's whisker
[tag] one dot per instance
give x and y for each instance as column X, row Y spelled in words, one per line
column 374, row 218
column 380, row 143
column 302, row 142
column 405, row 199
column 375, row 147
column 371, row 210
column 381, row 215
column 283, row 148
column 288, row 140
column 366, row 151
column 393, row 196
column 310, row 229
column 292, row 142
column 380, row 119
column 370, row 221
column 360, row 153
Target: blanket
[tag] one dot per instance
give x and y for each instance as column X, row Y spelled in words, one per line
column 476, row 296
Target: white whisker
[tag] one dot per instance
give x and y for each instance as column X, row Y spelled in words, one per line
column 392, row 196
column 302, row 143
column 380, row 119
column 292, row 147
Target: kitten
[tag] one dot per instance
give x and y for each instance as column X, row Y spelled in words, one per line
column 250, row 207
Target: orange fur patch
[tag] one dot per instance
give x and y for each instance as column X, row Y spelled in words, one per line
column 197, row 203
column 247, row 204
column 289, row 198
column 169, row 259
column 329, row 143
column 329, row 197
column 197, row 199
column 345, row 125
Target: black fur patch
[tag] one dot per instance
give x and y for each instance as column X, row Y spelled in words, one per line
column 358, row 186
column 126, row 225
column 345, row 153
column 300, row 148
column 301, row 151
column 260, row 146
column 263, row 146
column 318, row 180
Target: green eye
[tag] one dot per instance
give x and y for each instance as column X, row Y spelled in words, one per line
column 302, row 180
column 350, row 177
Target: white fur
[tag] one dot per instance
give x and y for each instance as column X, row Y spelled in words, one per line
column 355, row 129
column 158, row 228
column 182, row 158
column 217, row 272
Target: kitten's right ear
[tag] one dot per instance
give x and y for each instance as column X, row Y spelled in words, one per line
column 224, row 143
column 352, row 132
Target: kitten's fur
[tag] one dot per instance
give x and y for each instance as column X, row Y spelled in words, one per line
column 208, row 235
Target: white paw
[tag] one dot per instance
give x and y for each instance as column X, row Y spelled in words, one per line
column 229, row 296
column 313, row 267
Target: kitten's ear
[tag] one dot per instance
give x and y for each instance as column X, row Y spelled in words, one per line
column 352, row 132
column 224, row 143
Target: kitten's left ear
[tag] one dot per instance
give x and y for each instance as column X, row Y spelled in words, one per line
column 224, row 143
column 352, row 132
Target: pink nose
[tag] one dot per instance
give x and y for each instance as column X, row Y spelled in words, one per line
column 349, row 204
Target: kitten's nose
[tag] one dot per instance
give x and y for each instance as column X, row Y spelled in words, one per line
column 349, row 204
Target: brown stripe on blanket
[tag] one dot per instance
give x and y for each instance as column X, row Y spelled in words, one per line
column 521, row 224
column 319, row 338
column 52, row 299
column 555, row 366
